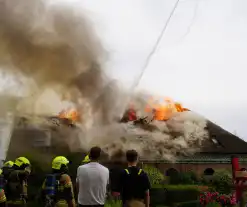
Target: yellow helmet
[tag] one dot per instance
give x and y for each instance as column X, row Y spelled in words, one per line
column 58, row 162
column 8, row 164
column 22, row 161
column 86, row 159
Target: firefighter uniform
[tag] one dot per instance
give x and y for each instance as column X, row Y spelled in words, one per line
column 4, row 172
column 16, row 187
column 2, row 193
column 7, row 169
column 2, row 198
column 57, row 189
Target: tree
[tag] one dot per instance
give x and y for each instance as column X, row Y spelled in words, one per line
column 154, row 175
column 222, row 180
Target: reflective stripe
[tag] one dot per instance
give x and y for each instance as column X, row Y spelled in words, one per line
column 139, row 172
column 68, row 185
column 3, row 199
column 43, row 185
column 2, row 196
column 61, row 203
column 60, row 188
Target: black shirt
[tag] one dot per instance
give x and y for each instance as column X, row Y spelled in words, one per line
column 133, row 185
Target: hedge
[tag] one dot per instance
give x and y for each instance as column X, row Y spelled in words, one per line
column 161, row 195
column 195, row 203
column 171, row 194
column 182, row 194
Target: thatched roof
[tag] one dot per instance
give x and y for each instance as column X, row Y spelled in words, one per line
column 223, row 142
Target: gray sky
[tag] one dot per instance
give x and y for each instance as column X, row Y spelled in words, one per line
column 200, row 62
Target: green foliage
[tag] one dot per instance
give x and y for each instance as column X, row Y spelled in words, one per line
column 170, row 194
column 182, row 187
column 188, row 178
column 213, row 204
column 154, row 175
column 195, row 203
column 184, row 178
column 182, row 194
column 113, row 203
column 109, row 203
column 158, row 196
column 222, row 180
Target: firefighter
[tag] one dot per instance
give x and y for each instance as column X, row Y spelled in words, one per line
column 2, row 198
column 16, row 187
column 57, row 189
column 4, row 172
column 7, row 168
column 86, row 160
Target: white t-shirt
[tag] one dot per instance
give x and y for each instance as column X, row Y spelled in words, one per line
column 92, row 179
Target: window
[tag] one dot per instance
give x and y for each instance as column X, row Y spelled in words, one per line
column 209, row 171
column 215, row 141
column 171, row 172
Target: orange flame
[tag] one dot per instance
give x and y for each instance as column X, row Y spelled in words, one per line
column 71, row 114
column 164, row 111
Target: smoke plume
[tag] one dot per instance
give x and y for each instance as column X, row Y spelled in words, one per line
column 53, row 53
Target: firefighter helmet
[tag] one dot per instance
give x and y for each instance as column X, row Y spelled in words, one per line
column 58, row 162
column 8, row 164
column 86, row 159
column 20, row 161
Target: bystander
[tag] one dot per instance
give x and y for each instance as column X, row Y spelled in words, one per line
column 133, row 185
column 92, row 180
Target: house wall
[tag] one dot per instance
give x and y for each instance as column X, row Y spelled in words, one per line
column 197, row 168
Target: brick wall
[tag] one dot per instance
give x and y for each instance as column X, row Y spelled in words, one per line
column 197, row 168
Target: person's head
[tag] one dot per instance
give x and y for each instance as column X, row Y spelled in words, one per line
column 8, row 164
column 22, row 163
column 60, row 164
column 95, row 153
column 132, row 156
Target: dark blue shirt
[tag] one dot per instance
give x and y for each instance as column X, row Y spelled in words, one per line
column 133, row 185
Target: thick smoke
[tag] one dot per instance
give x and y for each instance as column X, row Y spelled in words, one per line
column 50, row 47
column 182, row 135
column 54, row 54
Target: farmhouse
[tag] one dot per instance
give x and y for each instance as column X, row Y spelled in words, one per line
column 215, row 154
column 40, row 143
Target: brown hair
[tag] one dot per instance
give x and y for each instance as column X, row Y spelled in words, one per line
column 95, row 153
column 131, row 155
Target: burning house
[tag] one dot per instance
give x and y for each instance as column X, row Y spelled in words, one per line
column 43, row 137
column 215, row 154
column 216, row 151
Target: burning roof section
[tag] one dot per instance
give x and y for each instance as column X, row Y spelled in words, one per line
column 159, row 110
